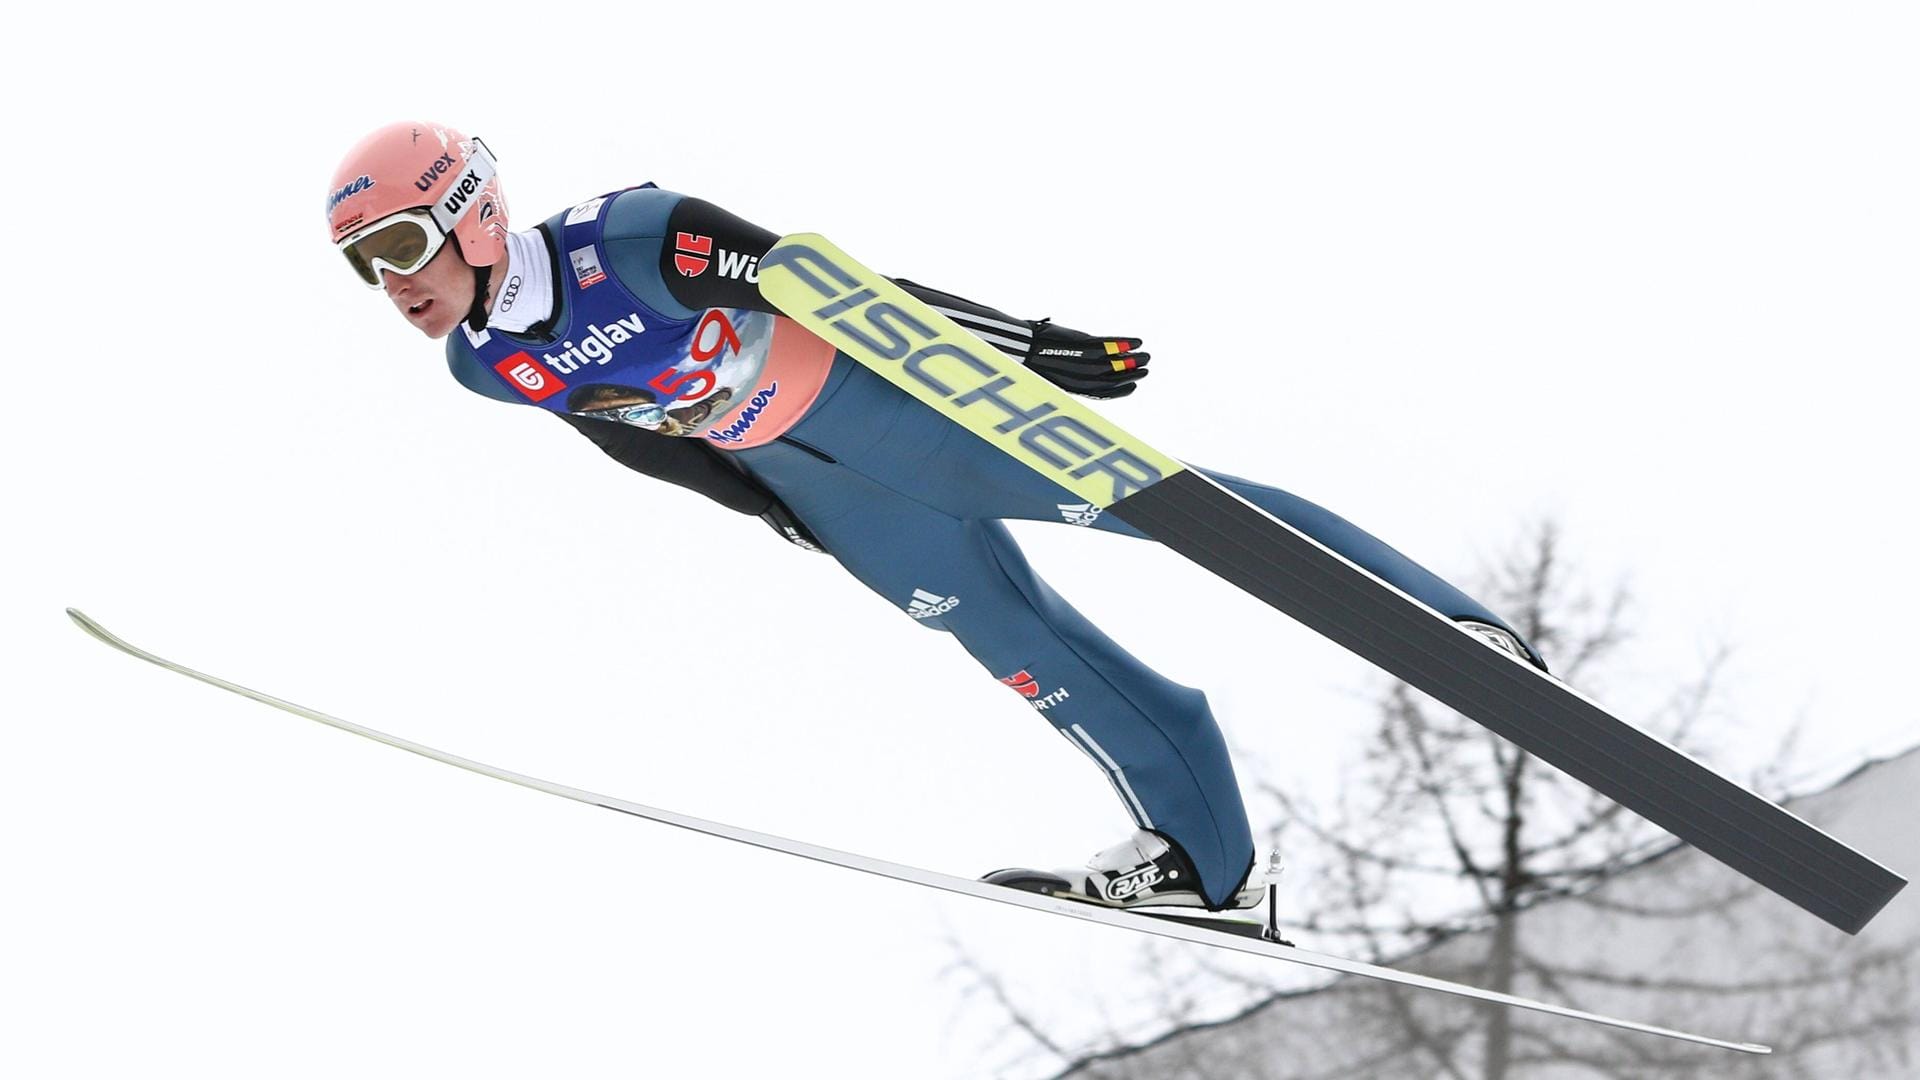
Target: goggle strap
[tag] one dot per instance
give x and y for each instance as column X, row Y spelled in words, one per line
column 460, row 199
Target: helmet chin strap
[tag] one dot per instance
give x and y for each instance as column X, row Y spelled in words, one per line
column 477, row 315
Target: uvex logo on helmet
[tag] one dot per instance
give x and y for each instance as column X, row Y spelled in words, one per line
column 459, row 197
column 463, row 189
column 433, row 173
column 415, row 165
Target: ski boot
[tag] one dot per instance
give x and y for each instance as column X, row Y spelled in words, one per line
column 1144, row 870
column 1149, row 875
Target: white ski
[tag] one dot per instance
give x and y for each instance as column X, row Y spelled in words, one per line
column 1180, row 931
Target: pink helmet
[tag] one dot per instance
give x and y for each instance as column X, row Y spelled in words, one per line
column 414, row 164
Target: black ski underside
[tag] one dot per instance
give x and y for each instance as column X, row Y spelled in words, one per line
column 1239, row 542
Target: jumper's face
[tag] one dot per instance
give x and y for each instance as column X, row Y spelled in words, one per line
column 437, row 296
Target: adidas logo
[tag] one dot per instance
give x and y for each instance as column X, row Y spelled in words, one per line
column 1079, row 513
column 926, row 605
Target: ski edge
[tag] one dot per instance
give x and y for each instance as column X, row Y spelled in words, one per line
column 914, row 875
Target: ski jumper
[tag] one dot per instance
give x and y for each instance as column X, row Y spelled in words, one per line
column 702, row 383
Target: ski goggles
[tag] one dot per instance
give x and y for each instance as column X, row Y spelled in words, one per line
column 402, row 243
column 406, row 241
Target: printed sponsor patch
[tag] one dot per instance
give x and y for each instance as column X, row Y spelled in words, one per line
column 347, row 191
column 596, row 346
column 526, row 375
column 927, row 605
column 509, row 295
column 1026, row 684
column 1079, row 513
column 432, row 173
column 737, row 430
column 1029, row 687
column 586, row 211
column 586, row 266
column 458, row 199
column 690, row 253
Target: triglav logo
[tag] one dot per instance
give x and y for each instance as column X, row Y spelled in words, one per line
column 534, row 382
column 348, row 190
column 434, row 172
column 926, row 605
column 1079, row 513
column 692, row 254
column 736, row 431
column 598, row 347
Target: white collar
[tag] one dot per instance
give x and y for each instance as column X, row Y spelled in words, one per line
column 525, row 293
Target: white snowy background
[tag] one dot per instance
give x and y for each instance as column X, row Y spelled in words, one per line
column 1649, row 268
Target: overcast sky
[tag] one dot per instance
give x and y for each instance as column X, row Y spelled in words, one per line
column 1646, row 269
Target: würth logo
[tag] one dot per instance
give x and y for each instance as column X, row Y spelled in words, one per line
column 926, row 605
column 1029, row 688
column 1023, row 682
column 690, row 253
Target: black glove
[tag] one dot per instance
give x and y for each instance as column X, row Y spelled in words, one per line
column 790, row 528
column 1096, row 367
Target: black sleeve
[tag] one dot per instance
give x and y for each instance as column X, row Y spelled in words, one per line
column 708, row 255
column 690, row 463
column 998, row 329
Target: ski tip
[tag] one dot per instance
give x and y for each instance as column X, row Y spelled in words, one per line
column 85, row 622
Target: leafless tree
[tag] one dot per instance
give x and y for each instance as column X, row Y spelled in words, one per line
column 1449, row 835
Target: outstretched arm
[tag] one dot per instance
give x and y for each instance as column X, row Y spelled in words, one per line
column 709, row 258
